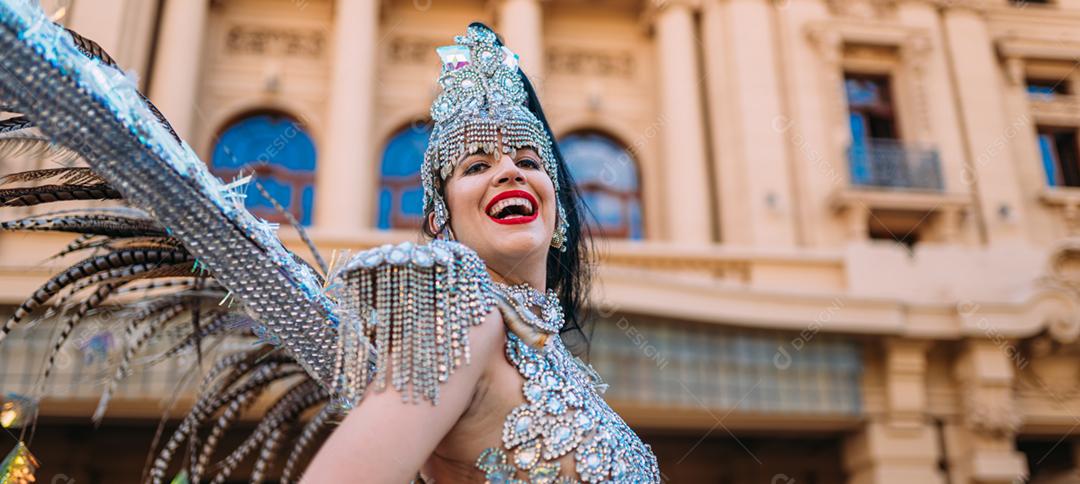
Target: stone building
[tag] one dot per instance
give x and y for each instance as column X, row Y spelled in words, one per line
column 840, row 238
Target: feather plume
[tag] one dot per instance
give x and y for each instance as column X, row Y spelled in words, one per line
column 307, row 436
column 24, row 197
column 19, row 145
column 14, row 124
column 79, row 175
column 87, row 268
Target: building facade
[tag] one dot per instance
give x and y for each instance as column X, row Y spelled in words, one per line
column 839, row 239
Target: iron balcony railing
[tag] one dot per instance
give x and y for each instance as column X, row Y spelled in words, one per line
column 889, row 163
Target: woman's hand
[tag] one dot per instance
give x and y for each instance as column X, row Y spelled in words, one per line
column 386, row 440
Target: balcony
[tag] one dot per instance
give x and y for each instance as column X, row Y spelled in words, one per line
column 1054, row 108
column 891, row 164
column 897, row 191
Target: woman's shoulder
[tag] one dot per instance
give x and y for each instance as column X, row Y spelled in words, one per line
column 487, row 340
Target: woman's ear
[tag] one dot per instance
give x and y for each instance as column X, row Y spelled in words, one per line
column 431, row 223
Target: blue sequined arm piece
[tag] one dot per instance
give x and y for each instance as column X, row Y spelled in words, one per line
column 96, row 111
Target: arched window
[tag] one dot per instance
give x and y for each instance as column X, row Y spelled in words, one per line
column 280, row 155
column 400, row 192
column 607, row 176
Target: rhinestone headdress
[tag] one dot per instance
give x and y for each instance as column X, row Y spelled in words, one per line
column 482, row 98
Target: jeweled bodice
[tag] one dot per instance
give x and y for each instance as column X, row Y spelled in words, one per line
column 563, row 413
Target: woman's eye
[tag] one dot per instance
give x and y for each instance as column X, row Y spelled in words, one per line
column 475, row 167
column 529, row 163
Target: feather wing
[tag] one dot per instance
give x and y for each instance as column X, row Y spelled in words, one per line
column 338, row 340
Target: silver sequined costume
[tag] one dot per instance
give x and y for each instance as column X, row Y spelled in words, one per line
column 564, row 413
column 397, row 315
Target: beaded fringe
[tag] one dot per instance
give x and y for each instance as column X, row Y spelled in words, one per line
column 408, row 312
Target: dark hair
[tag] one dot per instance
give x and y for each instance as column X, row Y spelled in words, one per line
column 569, row 272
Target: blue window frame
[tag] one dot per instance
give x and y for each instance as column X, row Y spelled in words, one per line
column 1059, row 148
column 870, row 118
column 1046, row 89
column 400, row 192
column 607, row 176
column 279, row 153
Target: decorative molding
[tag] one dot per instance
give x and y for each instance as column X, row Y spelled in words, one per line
column 590, row 62
column 267, row 40
column 832, row 34
column 862, row 9
column 1012, row 44
column 994, row 417
column 830, row 37
column 1059, row 110
column 413, row 50
column 856, row 204
column 1068, row 200
column 986, row 375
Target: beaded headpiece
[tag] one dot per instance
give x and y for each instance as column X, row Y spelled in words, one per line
column 482, row 98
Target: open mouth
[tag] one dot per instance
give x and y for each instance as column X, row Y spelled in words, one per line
column 512, row 207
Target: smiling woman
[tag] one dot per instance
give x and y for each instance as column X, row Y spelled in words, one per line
column 495, row 182
column 448, row 361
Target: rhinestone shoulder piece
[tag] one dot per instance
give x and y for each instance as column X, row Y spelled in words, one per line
column 407, row 310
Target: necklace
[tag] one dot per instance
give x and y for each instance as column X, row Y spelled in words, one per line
column 527, row 300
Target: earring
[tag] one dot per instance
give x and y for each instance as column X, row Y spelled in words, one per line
column 446, row 233
column 441, row 216
column 558, row 239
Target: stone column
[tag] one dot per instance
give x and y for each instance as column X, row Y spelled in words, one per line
column 1024, row 142
column 814, row 123
column 901, row 446
column 688, row 211
column 102, row 21
column 753, row 175
column 520, row 23
column 346, row 171
column 178, row 62
column 991, row 169
column 981, row 446
column 936, row 97
column 123, row 28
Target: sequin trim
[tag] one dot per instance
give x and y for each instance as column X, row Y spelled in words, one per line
column 563, row 413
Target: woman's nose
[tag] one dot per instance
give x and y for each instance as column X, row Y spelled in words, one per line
column 509, row 171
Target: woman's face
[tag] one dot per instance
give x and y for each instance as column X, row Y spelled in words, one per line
column 503, row 207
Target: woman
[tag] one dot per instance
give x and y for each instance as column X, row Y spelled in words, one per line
column 508, row 400
column 496, row 183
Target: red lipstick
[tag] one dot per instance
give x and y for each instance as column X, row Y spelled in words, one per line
column 522, row 219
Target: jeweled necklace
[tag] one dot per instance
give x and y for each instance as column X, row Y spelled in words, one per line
column 527, row 300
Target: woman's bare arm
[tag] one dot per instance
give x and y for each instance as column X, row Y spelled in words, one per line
column 386, row 440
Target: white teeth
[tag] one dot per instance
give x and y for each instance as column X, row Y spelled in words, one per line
column 501, row 204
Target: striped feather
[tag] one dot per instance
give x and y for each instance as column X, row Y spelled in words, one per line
column 79, row 175
column 25, row 197
column 209, row 404
column 289, row 406
column 98, row 224
column 87, row 268
column 69, row 324
column 15, row 124
column 138, row 332
column 16, row 145
column 307, row 436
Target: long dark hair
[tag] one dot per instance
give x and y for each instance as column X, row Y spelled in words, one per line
column 569, row 272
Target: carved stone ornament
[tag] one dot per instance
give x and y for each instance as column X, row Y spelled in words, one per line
column 866, row 9
column 990, row 417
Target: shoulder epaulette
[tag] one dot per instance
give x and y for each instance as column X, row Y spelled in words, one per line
column 406, row 311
